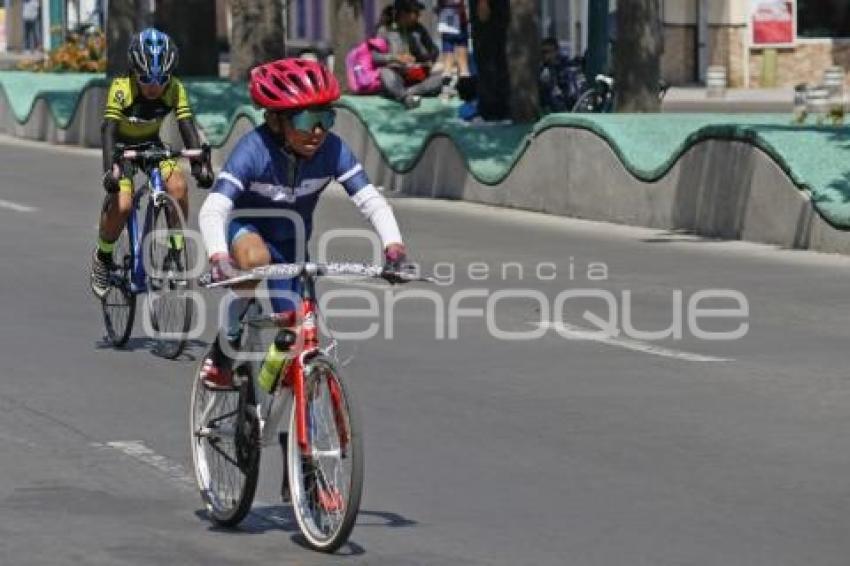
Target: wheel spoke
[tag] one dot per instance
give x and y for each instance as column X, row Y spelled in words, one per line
column 170, row 304
column 119, row 304
column 225, row 450
column 328, row 480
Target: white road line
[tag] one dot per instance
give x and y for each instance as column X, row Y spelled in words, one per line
column 180, row 477
column 16, row 207
column 173, row 471
column 573, row 332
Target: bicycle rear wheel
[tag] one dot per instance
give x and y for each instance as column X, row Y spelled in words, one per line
column 119, row 303
column 170, row 302
column 326, row 482
column 225, row 444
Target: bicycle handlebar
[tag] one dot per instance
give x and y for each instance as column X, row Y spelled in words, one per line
column 160, row 154
column 290, row 270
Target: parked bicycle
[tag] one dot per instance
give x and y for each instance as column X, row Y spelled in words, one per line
column 148, row 260
column 323, row 442
column 600, row 97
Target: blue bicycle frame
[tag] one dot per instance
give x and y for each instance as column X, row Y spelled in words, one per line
column 138, row 284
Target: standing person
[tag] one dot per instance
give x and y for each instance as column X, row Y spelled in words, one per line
column 30, row 17
column 490, row 19
column 454, row 38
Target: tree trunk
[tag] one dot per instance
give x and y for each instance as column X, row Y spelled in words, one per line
column 192, row 25
column 347, row 31
column 258, row 35
column 14, row 25
column 124, row 18
column 524, row 60
column 637, row 55
column 489, row 39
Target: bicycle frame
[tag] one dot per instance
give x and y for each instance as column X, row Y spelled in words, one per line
column 292, row 382
column 157, row 188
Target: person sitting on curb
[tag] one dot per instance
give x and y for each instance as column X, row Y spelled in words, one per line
column 561, row 80
column 408, row 71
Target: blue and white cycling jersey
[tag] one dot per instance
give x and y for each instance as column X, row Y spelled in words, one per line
column 259, row 175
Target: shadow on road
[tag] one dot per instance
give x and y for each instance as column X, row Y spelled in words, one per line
column 268, row 518
column 193, row 349
column 383, row 519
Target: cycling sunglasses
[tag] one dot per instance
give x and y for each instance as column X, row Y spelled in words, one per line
column 309, row 120
column 149, row 80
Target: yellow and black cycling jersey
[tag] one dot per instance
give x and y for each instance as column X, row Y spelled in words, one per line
column 140, row 118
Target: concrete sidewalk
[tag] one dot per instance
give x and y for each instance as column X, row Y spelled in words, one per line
column 9, row 60
column 737, row 100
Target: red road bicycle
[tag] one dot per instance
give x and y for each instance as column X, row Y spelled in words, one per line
column 323, row 445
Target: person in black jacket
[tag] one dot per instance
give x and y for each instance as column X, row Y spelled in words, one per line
column 490, row 19
column 408, row 72
column 561, row 79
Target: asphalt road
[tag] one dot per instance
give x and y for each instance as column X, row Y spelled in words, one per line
column 603, row 451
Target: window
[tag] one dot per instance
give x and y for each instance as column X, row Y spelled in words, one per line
column 823, row 18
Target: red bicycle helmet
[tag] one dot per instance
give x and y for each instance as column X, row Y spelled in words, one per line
column 293, row 84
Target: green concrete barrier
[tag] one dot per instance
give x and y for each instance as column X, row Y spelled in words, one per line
column 816, row 159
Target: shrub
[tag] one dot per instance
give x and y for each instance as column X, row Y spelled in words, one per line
column 79, row 54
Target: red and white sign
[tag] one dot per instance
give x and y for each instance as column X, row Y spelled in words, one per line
column 773, row 23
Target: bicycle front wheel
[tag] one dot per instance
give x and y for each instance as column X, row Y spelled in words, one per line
column 589, row 102
column 325, row 479
column 169, row 301
column 119, row 303
column 225, row 443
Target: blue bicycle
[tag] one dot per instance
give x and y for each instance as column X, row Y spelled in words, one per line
column 154, row 260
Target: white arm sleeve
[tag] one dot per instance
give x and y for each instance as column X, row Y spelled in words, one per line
column 212, row 219
column 377, row 210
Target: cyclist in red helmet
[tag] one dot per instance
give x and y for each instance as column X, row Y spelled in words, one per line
column 278, row 171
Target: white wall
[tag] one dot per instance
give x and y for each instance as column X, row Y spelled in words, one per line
column 728, row 12
column 721, row 12
column 680, row 12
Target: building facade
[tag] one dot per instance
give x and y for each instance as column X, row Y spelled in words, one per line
column 699, row 33
column 309, row 21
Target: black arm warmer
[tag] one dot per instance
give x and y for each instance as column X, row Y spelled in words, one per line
column 108, row 131
column 189, row 133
